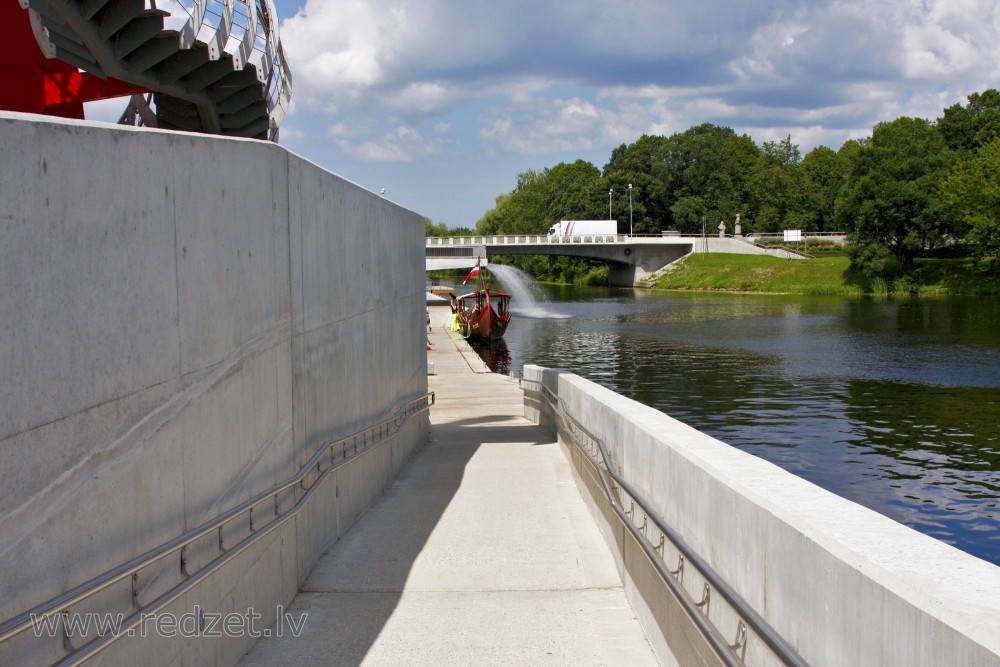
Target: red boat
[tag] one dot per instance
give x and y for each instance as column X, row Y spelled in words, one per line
column 484, row 314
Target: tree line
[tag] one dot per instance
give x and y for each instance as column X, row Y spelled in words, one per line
column 913, row 187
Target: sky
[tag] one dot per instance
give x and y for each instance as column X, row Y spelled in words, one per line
column 443, row 103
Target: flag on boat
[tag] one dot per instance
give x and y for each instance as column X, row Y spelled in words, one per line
column 472, row 274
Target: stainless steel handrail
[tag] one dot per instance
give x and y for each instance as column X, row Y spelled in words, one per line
column 376, row 434
column 749, row 619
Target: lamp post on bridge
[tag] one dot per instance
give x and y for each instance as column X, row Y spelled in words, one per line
column 630, row 209
column 610, row 192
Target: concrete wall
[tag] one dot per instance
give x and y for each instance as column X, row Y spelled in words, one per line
column 184, row 320
column 734, row 246
column 843, row 584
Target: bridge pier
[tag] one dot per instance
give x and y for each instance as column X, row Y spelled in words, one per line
column 621, row 275
column 646, row 259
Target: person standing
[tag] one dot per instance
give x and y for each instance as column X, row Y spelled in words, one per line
column 453, row 322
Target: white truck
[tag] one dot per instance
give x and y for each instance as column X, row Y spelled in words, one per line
column 581, row 227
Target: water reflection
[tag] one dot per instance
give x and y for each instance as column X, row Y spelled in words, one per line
column 892, row 404
column 494, row 354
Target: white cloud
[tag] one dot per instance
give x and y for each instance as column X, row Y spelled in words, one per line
column 422, row 98
column 289, row 132
column 953, row 39
column 555, row 126
column 580, row 75
column 336, row 47
column 401, row 144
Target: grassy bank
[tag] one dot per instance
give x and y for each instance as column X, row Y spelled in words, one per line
column 830, row 274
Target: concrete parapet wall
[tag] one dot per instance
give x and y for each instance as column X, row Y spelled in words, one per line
column 185, row 319
column 842, row 584
column 739, row 246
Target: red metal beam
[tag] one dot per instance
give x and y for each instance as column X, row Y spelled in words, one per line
column 32, row 83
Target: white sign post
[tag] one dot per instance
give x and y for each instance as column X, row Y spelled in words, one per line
column 793, row 235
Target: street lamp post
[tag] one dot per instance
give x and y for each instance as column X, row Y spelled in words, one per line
column 610, row 192
column 630, row 209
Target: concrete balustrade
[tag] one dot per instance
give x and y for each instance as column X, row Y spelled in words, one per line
column 842, row 584
column 184, row 320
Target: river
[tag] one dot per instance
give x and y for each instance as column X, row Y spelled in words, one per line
column 891, row 403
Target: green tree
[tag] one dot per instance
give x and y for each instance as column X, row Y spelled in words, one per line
column 504, row 218
column 892, row 199
column 432, row 229
column 972, row 192
column 783, row 153
column 539, row 200
column 778, row 194
column 710, row 168
column 572, row 192
column 644, row 165
column 679, row 179
column 824, row 174
column 564, row 192
column 973, row 125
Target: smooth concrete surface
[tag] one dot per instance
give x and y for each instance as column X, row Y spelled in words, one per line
column 185, row 319
column 842, row 584
column 481, row 552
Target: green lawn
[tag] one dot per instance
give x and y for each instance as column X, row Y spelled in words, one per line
column 828, row 274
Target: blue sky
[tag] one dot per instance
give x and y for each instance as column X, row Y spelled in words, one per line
column 443, row 103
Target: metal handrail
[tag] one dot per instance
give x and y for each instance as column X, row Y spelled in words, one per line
column 542, row 239
column 535, row 239
column 379, row 433
column 749, row 619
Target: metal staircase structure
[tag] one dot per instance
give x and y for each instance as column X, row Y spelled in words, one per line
column 213, row 66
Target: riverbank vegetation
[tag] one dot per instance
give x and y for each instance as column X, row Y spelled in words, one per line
column 911, row 190
column 827, row 274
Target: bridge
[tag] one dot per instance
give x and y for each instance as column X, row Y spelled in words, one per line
column 633, row 260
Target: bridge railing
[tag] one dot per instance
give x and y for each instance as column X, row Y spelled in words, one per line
column 533, row 239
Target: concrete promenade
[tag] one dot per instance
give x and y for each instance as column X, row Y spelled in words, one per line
column 481, row 552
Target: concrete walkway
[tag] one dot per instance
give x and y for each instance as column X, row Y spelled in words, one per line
column 480, row 553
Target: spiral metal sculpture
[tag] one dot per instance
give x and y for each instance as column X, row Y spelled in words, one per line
column 213, row 66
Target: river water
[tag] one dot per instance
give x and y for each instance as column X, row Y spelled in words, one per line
column 891, row 403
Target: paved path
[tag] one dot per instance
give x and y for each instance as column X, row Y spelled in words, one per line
column 480, row 553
